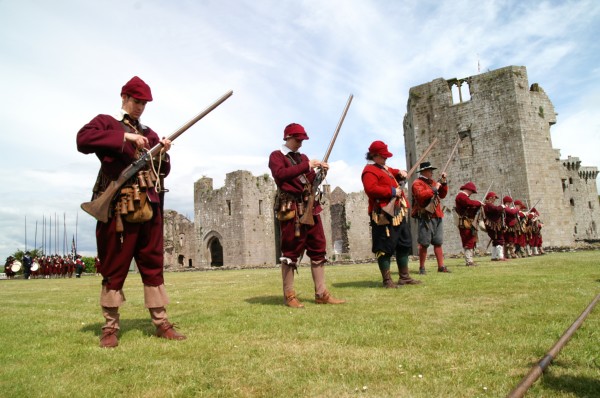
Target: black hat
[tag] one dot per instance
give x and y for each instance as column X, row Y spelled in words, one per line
column 426, row 166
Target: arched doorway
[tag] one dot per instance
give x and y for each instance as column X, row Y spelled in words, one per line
column 216, row 252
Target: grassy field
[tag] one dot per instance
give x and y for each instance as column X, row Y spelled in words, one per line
column 473, row 333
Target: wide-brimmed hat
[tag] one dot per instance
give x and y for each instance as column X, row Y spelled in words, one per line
column 380, row 148
column 470, row 186
column 137, row 89
column 425, row 166
column 491, row 195
column 294, row 130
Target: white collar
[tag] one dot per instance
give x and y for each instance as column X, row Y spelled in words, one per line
column 285, row 150
column 121, row 114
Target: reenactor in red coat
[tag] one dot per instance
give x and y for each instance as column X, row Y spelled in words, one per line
column 427, row 209
column 510, row 233
column 294, row 175
column 536, row 232
column 118, row 141
column 523, row 231
column 495, row 226
column 390, row 233
column 468, row 210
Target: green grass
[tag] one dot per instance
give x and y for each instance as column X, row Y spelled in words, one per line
column 473, row 333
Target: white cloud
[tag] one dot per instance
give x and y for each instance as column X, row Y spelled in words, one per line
column 287, row 62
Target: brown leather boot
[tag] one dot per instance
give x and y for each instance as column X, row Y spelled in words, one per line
column 326, row 298
column 167, row 331
column 405, row 278
column 388, row 283
column 292, row 301
column 109, row 338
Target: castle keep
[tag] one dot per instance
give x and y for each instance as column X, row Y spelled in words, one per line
column 502, row 126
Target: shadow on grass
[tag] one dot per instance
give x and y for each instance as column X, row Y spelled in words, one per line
column 578, row 386
column 359, row 284
column 143, row 325
column 265, row 300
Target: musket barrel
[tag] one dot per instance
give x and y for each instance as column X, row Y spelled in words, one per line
column 307, row 218
column 337, row 129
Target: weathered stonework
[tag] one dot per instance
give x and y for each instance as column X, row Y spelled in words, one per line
column 580, row 191
column 235, row 224
column 504, row 129
column 179, row 240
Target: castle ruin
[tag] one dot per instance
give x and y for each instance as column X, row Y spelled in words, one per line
column 502, row 126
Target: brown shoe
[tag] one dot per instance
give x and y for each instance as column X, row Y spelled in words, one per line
column 167, row 331
column 326, row 298
column 109, row 338
column 407, row 280
column 292, row 301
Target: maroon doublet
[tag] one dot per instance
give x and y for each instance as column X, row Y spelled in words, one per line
column 467, row 208
column 104, row 136
column 287, row 177
column 494, row 223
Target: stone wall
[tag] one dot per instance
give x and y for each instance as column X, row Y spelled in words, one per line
column 235, row 224
column 179, row 240
column 503, row 130
column 502, row 127
column 580, row 191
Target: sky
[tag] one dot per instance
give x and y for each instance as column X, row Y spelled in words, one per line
column 63, row 63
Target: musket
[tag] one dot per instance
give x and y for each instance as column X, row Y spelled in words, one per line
column 307, row 217
column 99, row 208
column 538, row 369
column 481, row 208
column 389, row 208
column 451, row 156
column 436, row 198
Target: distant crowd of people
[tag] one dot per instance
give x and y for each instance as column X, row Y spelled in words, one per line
column 46, row 267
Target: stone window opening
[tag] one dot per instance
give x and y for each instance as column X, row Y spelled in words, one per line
column 572, row 202
column 180, row 259
column 260, row 204
column 564, row 184
column 229, row 207
column 461, row 91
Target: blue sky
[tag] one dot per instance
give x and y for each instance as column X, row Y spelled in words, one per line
column 286, row 61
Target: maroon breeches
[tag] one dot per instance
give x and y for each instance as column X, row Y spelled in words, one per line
column 311, row 239
column 468, row 238
column 142, row 241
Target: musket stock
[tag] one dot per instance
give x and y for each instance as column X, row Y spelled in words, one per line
column 389, row 208
column 99, row 208
column 307, row 217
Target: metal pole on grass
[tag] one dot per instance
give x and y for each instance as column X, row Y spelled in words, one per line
column 537, row 370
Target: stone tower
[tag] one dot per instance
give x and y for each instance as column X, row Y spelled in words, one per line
column 581, row 192
column 235, row 224
column 502, row 125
